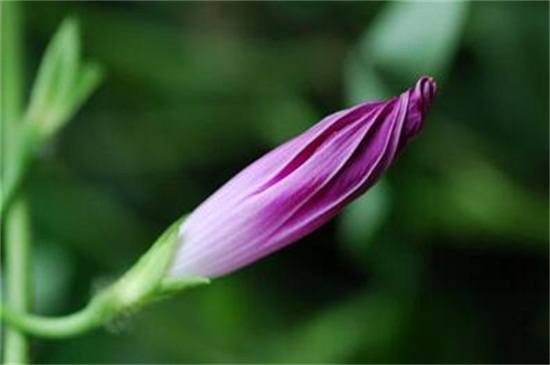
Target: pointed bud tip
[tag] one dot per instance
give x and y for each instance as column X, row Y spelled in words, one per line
column 427, row 87
column 420, row 96
column 300, row 185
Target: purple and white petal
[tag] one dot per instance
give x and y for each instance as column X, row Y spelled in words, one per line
column 300, row 185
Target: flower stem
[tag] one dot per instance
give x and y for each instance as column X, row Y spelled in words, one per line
column 15, row 220
column 143, row 283
column 90, row 317
column 17, row 277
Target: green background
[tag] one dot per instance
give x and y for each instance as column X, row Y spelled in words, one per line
column 445, row 260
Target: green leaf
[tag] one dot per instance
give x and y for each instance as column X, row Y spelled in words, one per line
column 56, row 71
column 363, row 218
column 89, row 78
column 407, row 40
column 170, row 286
column 62, row 83
column 369, row 321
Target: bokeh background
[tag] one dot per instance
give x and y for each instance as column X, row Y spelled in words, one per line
column 445, row 260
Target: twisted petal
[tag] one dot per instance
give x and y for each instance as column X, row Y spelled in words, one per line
column 298, row 186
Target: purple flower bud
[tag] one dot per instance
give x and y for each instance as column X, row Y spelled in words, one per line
column 298, row 186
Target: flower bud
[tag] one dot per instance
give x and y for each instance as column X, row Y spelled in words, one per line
column 298, row 186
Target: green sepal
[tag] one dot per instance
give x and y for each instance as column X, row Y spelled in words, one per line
column 171, row 286
column 147, row 280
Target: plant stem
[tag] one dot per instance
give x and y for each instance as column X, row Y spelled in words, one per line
column 15, row 219
column 144, row 282
column 92, row 316
column 17, row 273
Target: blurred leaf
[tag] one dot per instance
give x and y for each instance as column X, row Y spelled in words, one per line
column 368, row 323
column 62, row 83
column 405, row 41
column 469, row 195
column 89, row 78
column 361, row 220
column 509, row 102
column 494, row 205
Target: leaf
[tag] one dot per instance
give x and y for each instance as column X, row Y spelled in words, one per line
column 407, row 40
column 57, row 69
column 89, row 79
column 370, row 321
column 363, row 218
column 470, row 197
column 62, row 83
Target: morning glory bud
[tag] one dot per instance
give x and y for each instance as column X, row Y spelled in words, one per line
column 278, row 199
column 298, row 186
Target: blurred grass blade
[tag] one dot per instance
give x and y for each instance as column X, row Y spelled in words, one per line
column 408, row 39
column 364, row 218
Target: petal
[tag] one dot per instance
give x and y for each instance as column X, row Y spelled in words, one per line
column 300, row 185
column 252, row 219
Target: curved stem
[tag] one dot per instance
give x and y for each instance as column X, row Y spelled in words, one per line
column 88, row 318
column 141, row 284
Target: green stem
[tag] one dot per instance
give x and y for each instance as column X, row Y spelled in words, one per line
column 113, row 302
column 18, row 280
column 90, row 317
column 143, row 283
column 15, row 219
